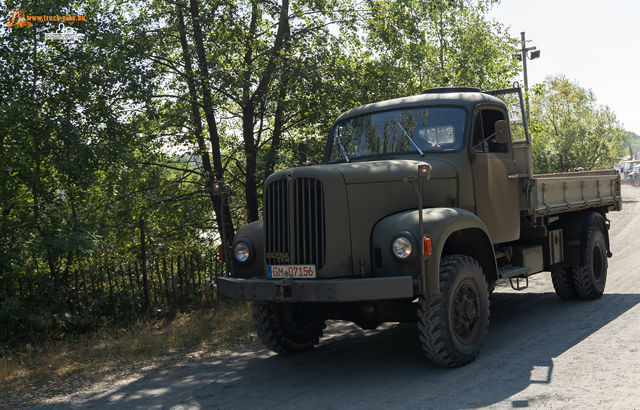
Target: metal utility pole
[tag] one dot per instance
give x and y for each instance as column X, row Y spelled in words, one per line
column 523, row 56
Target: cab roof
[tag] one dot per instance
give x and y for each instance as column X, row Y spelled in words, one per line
column 434, row 97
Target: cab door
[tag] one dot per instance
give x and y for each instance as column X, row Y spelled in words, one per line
column 495, row 178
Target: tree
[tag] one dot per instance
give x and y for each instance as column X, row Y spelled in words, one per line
column 70, row 115
column 632, row 142
column 269, row 74
column 73, row 144
column 162, row 97
column 418, row 45
column 570, row 129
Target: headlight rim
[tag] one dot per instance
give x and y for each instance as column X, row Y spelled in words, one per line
column 252, row 250
column 412, row 240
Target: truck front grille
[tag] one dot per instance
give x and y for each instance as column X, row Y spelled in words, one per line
column 295, row 223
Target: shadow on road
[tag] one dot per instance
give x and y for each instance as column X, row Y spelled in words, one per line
column 382, row 369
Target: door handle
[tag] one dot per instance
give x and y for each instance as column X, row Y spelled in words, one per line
column 513, row 176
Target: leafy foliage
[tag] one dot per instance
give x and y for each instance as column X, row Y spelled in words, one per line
column 569, row 129
column 632, row 142
column 159, row 99
column 73, row 182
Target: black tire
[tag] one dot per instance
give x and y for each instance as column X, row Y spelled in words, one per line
column 591, row 279
column 453, row 323
column 562, row 279
column 284, row 328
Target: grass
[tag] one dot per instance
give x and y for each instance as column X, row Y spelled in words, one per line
column 35, row 373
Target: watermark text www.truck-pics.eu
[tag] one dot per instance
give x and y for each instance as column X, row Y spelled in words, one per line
column 17, row 19
column 63, row 19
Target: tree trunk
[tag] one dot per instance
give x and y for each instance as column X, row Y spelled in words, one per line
column 250, row 100
column 21, row 292
column 167, row 283
column 159, row 283
column 84, row 283
column 111, row 300
column 214, row 137
column 207, row 103
column 77, row 285
column 31, row 299
column 277, row 129
column 93, row 284
column 251, row 166
column 199, row 282
column 145, row 282
column 173, row 285
column 137, row 270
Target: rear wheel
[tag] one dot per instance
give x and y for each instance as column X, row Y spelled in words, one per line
column 286, row 328
column 562, row 279
column 453, row 323
column 591, row 279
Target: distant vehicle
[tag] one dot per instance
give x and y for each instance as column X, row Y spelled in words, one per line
column 627, row 168
column 634, row 176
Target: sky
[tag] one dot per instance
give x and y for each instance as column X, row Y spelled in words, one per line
column 593, row 42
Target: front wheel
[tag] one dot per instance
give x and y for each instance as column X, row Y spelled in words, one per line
column 286, row 328
column 453, row 323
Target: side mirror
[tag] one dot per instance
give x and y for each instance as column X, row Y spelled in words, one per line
column 503, row 135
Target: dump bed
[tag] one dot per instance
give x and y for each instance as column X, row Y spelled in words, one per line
column 555, row 193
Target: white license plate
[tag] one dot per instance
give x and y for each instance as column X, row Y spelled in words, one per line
column 291, row 271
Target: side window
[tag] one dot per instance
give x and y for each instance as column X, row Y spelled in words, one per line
column 484, row 132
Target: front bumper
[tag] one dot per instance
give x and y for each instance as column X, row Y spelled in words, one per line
column 317, row 290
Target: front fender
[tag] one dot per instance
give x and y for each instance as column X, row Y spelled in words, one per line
column 439, row 224
column 255, row 233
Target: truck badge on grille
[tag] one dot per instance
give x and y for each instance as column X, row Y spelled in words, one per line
column 280, row 257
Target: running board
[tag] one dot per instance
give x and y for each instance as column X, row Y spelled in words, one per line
column 516, row 272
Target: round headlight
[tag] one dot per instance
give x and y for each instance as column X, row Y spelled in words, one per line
column 241, row 252
column 401, row 247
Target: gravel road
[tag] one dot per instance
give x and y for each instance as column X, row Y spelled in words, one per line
column 541, row 352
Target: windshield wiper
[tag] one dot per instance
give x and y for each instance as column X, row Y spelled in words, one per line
column 344, row 151
column 411, row 139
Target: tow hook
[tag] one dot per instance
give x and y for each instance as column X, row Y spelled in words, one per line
column 287, row 289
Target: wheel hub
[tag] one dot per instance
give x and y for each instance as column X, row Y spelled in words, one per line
column 472, row 312
column 465, row 311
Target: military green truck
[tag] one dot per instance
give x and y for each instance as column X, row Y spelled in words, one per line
column 422, row 205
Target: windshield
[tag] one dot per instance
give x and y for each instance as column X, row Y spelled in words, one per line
column 413, row 129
